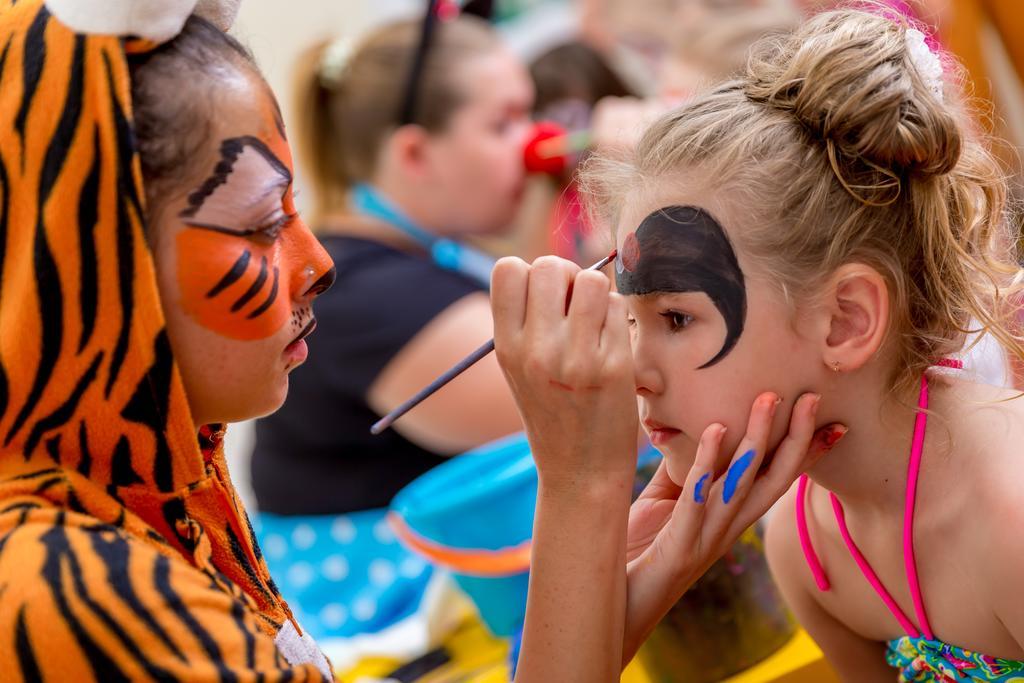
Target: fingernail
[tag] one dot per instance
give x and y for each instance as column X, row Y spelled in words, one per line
column 815, row 402
column 832, row 437
column 698, row 491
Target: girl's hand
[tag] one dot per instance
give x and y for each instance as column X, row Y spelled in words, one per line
column 562, row 340
column 677, row 532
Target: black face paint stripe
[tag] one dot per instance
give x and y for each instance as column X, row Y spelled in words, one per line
column 232, row 276
column 254, row 289
column 271, row 298
column 684, row 249
column 230, row 151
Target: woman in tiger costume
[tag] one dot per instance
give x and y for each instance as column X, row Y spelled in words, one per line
column 155, row 283
column 125, row 553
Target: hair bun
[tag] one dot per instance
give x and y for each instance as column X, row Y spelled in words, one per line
column 854, row 80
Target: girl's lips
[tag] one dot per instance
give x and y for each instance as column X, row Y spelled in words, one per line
column 660, row 433
column 663, row 435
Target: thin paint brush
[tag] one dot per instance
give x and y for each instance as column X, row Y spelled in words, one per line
column 456, row 370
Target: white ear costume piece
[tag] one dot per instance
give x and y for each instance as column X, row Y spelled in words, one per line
column 221, row 12
column 156, row 20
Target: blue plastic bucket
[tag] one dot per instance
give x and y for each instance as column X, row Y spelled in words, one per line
column 474, row 516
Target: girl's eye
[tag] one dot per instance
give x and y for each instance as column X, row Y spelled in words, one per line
column 677, row 320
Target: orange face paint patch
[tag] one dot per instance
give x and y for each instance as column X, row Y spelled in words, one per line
column 233, row 280
column 231, row 285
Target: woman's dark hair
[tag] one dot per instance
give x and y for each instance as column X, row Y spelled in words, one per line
column 576, row 71
column 171, row 90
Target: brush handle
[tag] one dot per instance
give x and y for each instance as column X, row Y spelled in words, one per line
column 456, row 370
column 448, row 376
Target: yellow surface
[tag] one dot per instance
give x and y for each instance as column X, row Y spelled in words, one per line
column 799, row 661
column 477, row 657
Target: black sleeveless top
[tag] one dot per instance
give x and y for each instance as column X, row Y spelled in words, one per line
column 316, row 454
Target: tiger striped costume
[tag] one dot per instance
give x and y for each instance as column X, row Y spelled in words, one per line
column 125, row 553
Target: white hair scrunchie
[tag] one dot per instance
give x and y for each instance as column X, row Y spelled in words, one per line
column 334, row 61
column 927, row 63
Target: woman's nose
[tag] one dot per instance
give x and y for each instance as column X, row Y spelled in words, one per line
column 322, row 284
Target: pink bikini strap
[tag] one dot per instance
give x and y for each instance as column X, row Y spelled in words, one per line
column 909, row 561
column 820, row 578
column 869, row 573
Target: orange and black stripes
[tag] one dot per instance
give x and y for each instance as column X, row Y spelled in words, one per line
column 124, row 552
column 122, row 611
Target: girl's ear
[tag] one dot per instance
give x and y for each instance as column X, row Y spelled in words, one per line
column 855, row 316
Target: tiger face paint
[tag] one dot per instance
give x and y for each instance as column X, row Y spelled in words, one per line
column 684, row 249
column 248, row 254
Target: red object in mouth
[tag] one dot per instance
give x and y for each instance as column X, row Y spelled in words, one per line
column 534, row 157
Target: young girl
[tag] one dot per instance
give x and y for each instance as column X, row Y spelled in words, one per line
column 831, row 221
column 156, row 283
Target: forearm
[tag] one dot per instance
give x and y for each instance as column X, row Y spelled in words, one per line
column 576, row 608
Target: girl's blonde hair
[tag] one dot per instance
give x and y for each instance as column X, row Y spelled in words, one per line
column 349, row 99
column 840, row 152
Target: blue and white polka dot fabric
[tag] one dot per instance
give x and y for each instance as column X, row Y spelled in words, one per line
column 342, row 575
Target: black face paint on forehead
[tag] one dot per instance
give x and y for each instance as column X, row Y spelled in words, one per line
column 241, row 155
column 684, row 249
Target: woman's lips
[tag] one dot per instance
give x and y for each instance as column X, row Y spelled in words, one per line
column 297, row 350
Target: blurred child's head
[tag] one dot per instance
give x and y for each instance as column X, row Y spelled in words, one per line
column 846, row 224
column 236, row 268
column 710, row 39
column 462, row 155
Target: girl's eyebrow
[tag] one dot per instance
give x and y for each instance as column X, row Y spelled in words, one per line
column 656, row 297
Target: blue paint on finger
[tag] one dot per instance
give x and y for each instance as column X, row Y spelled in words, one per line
column 735, row 473
column 698, row 492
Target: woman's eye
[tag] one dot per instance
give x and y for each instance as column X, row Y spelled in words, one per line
column 677, row 320
column 269, row 231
